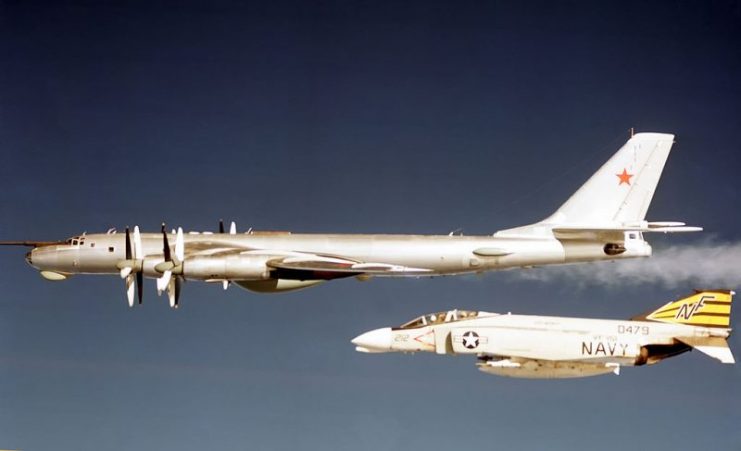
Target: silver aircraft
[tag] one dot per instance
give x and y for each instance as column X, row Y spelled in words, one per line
column 549, row 347
column 603, row 220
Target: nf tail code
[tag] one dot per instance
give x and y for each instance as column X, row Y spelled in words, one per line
column 704, row 308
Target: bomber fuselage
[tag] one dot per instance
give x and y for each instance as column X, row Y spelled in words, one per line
column 439, row 254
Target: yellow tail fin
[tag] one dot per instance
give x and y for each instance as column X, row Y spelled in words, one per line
column 707, row 308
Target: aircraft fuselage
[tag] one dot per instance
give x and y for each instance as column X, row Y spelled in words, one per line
column 531, row 346
column 437, row 254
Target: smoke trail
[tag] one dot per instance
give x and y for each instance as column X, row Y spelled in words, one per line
column 708, row 265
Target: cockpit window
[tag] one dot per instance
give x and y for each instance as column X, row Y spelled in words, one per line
column 417, row 322
column 439, row 318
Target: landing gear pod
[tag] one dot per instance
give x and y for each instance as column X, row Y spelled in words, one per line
column 53, row 276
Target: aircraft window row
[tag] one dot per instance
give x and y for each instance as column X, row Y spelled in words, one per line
column 439, row 318
column 76, row 240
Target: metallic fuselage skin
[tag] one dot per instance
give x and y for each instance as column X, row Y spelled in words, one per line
column 440, row 254
column 541, row 346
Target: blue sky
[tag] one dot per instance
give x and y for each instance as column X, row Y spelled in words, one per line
column 346, row 117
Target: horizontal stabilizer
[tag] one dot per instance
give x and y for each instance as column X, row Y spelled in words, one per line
column 645, row 227
column 715, row 347
column 679, row 229
column 590, row 231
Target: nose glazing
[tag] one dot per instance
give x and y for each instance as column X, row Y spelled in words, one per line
column 29, row 258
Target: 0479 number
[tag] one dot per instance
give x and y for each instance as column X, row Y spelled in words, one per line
column 633, row 330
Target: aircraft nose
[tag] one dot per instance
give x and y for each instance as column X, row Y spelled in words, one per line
column 378, row 340
column 29, row 258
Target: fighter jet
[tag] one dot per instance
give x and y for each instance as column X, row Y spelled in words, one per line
column 550, row 347
column 603, row 220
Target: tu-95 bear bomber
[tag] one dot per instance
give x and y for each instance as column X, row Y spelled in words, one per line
column 603, row 220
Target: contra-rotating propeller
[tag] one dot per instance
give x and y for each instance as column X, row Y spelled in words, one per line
column 172, row 267
column 232, row 227
column 131, row 267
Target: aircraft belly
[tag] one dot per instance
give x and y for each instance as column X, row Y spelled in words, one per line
column 529, row 253
column 535, row 369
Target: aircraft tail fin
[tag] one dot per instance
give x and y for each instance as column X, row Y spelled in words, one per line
column 705, row 308
column 622, row 189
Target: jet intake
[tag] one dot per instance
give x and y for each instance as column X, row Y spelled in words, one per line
column 231, row 267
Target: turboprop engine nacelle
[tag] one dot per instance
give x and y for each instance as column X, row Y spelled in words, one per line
column 240, row 267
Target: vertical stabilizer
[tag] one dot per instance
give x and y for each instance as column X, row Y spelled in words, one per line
column 707, row 308
column 621, row 190
column 703, row 308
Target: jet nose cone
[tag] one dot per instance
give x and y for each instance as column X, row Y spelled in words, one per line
column 378, row 340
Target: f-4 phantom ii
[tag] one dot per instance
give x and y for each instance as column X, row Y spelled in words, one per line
column 603, row 220
column 548, row 347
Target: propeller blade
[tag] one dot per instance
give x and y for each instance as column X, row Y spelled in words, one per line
column 162, row 282
column 140, row 286
column 128, row 244
column 173, row 291
column 225, row 284
column 233, row 228
column 178, row 285
column 130, row 289
column 165, row 244
column 179, row 246
column 171, row 294
column 125, row 272
column 221, row 226
column 138, row 252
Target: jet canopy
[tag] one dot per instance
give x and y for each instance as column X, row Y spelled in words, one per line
column 439, row 318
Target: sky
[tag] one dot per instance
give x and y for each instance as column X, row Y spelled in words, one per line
column 363, row 117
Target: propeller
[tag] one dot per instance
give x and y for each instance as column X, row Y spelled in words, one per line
column 131, row 267
column 232, row 227
column 232, row 231
column 173, row 265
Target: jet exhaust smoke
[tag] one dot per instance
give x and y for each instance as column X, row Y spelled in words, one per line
column 708, row 265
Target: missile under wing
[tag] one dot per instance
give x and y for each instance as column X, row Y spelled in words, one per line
column 547, row 347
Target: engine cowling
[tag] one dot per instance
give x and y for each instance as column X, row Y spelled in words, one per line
column 230, row 267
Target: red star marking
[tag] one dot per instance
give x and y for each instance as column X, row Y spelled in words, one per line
column 624, row 177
